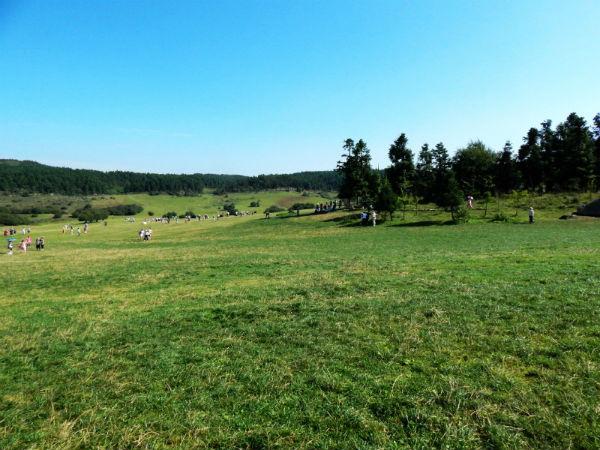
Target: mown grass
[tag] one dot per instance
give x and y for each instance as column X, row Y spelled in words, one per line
column 304, row 333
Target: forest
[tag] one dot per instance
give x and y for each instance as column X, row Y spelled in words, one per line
column 30, row 176
column 561, row 159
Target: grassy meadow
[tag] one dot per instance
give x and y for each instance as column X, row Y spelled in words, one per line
column 302, row 332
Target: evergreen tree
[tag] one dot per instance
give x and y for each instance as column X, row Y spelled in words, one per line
column 530, row 160
column 386, row 200
column 575, row 154
column 401, row 172
column 442, row 174
column 424, row 176
column 506, row 178
column 596, row 133
column 357, row 175
column 547, row 142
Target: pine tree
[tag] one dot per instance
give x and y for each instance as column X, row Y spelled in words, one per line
column 357, row 175
column 506, row 178
column 575, row 154
column 442, row 174
column 386, row 200
column 530, row 160
column 547, row 142
column 400, row 174
column 596, row 135
column 424, row 177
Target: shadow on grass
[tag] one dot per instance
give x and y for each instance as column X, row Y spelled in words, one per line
column 425, row 223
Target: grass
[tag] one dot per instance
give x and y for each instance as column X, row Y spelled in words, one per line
column 304, row 333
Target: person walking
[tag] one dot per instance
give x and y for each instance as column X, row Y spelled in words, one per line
column 374, row 217
column 531, row 214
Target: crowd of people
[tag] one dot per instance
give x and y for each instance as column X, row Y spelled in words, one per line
column 70, row 229
column 25, row 243
column 331, row 206
column 13, row 231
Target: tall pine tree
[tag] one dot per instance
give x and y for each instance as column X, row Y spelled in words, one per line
column 596, row 134
column 530, row 161
column 506, row 177
column 357, row 175
column 424, row 178
column 401, row 172
column 575, row 154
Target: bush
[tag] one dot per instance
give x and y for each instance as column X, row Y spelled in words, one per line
column 13, row 219
column 255, row 204
column 150, row 213
column 191, row 214
column 229, row 206
column 58, row 215
column 92, row 215
column 297, row 206
column 125, row 210
column 461, row 215
column 274, row 209
column 500, row 217
column 170, row 214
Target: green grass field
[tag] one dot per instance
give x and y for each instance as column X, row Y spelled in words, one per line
column 303, row 333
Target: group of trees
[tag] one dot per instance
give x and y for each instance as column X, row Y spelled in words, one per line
column 30, row 176
column 566, row 158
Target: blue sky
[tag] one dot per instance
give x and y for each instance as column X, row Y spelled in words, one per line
column 275, row 86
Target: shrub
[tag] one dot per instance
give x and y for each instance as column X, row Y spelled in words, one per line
column 170, row 214
column 460, row 215
column 13, row 219
column 274, row 209
column 125, row 210
column 92, row 214
column 57, row 215
column 500, row 217
column 255, row 204
column 150, row 213
column 297, row 206
column 229, row 206
column 191, row 214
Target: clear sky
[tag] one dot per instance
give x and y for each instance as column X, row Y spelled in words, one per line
column 275, row 86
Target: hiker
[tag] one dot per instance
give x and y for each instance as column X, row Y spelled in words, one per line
column 364, row 218
column 531, row 214
column 470, row 201
column 374, row 217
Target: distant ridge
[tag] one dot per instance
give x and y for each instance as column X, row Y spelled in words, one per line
column 31, row 176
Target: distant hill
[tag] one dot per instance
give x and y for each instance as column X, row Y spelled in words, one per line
column 31, row 176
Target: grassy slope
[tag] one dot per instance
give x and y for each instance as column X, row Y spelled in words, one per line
column 208, row 203
column 303, row 333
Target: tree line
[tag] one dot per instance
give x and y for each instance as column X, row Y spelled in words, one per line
column 564, row 158
column 30, row 176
